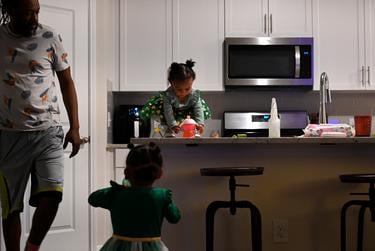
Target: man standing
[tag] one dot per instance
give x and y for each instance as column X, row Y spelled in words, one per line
column 31, row 136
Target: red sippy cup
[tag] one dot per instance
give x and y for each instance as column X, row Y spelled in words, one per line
column 188, row 127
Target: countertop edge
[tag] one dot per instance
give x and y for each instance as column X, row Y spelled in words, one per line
column 255, row 140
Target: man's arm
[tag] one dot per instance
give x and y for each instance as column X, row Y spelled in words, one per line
column 70, row 101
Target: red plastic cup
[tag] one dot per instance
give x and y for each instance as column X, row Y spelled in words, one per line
column 188, row 130
column 362, row 125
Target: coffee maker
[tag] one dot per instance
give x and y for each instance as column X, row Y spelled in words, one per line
column 128, row 124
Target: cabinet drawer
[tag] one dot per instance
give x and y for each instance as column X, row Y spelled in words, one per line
column 119, row 174
column 120, row 157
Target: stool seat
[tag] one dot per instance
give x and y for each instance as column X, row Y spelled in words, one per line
column 231, row 171
column 358, row 178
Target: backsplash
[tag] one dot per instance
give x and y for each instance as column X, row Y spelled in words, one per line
column 343, row 103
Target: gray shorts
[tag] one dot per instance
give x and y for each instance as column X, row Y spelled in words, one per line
column 38, row 154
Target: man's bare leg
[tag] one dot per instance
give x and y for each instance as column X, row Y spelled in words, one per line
column 12, row 231
column 43, row 218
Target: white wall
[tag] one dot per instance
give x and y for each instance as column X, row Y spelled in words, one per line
column 106, row 76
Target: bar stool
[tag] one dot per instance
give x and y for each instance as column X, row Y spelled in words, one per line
column 370, row 203
column 256, row 224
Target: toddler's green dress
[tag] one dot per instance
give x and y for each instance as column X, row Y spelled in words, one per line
column 155, row 107
column 137, row 215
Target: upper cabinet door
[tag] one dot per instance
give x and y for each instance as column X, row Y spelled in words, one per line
column 370, row 43
column 147, row 47
column 198, row 33
column 246, row 18
column 145, row 44
column 290, row 18
column 279, row 18
column 339, row 43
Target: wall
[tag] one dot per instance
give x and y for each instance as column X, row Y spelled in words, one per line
column 106, row 52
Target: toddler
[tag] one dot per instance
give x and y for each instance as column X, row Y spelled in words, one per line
column 137, row 208
column 179, row 100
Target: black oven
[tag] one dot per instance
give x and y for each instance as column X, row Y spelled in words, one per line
column 268, row 61
column 127, row 124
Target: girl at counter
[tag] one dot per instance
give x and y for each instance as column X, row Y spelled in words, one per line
column 137, row 208
column 179, row 100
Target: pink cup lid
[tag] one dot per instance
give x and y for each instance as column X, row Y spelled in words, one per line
column 188, row 121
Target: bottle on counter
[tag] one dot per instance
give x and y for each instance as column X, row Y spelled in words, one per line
column 274, row 121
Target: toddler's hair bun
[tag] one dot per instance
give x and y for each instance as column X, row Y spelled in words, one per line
column 190, row 63
column 175, row 66
column 130, row 146
column 154, row 148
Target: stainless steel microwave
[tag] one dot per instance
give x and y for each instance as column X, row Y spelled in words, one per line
column 268, row 61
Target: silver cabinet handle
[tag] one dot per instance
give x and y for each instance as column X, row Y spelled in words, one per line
column 368, row 76
column 363, row 75
column 270, row 23
column 265, row 23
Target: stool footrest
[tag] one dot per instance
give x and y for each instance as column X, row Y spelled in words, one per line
column 363, row 205
column 359, row 193
column 231, row 171
column 256, row 225
column 242, row 185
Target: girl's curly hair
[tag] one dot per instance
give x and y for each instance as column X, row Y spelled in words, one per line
column 145, row 160
column 181, row 71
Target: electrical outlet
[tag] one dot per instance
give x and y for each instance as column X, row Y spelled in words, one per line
column 280, row 230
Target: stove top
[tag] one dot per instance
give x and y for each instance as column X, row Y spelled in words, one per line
column 255, row 124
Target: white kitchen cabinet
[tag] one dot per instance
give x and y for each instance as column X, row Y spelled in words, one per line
column 145, row 44
column 120, row 163
column 344, row 43
column 154, row 33
column 276, row 18
column 198, row 33
column 370, row 44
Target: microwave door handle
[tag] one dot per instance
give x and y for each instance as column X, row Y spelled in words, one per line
column 298, row 61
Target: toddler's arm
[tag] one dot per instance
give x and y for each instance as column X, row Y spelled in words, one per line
column 168, row 113
column 198, row 110
column 100, row 198
column 172, row 213
column 200, row 128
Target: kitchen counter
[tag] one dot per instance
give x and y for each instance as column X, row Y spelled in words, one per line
column 253, row 140
column 256, row 140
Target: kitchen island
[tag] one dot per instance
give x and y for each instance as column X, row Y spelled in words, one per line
column 300, row 184
column 250, row 140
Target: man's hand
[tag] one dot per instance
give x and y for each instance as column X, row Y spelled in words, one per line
column 73, row 137
column 69, row 94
